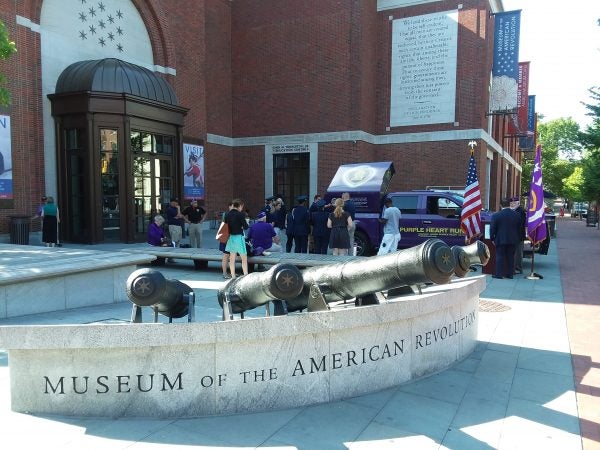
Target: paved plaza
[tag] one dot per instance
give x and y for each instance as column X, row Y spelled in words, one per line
column 532, row 382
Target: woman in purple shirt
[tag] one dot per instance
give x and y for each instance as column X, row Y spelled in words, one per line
column 156, row 233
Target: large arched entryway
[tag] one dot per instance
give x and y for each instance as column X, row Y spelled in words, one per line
column 118, row 141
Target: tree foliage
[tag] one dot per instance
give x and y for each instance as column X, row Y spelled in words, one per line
column 590, row 139
column 573, row 185
column 7, row 48
column 561, row 153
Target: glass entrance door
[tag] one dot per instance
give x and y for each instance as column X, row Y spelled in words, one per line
column 291, row 176
column 152, row 178
column 109, row 174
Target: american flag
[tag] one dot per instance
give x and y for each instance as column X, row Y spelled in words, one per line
column 470, row 217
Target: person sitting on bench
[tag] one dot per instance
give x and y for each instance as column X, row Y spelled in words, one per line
column 263, row 235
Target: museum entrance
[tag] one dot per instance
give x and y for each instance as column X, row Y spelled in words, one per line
column 291, row 176
column 117, row 158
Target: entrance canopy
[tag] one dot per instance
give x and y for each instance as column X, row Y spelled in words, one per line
column 114, row 75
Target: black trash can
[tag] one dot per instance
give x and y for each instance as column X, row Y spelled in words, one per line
column 19, row 230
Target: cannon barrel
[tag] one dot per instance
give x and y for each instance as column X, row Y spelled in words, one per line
column 431, row 261
column 148, row 287
column 280, row 282
column 466, row 256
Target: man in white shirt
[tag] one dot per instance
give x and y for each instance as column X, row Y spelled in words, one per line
column 391, row 228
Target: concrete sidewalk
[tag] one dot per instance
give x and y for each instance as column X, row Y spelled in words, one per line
column 516, row 391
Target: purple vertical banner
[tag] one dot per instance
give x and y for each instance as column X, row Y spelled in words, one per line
column 528, row 143
column 6, row 178
column 193, row 172
column 506, row 61
column 536, row 217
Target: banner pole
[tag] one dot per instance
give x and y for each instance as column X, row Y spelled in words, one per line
column 533, row 275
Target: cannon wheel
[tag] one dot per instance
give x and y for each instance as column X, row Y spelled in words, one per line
column 363, row 245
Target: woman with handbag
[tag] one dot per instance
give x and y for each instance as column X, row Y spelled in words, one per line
column 223, row 237
column 236, row 244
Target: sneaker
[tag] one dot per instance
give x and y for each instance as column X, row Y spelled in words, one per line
column 267, row 253
column 226, row 276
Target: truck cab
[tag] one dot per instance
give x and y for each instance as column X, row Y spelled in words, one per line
column 426, row 214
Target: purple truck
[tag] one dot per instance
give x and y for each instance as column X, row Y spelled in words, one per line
column 426, row 214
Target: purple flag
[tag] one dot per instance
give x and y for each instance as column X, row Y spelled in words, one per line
column 536, row 219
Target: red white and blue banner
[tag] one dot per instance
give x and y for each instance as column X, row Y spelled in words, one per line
column 522, row 97
column 193, row 172
column 506, row 61
column 536, row 217
column 528, row 143
column 6, row 180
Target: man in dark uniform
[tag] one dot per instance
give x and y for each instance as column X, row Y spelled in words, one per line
column 301, row 225
column 515, row 204
column 504, row 231
column 314, row 206
column 268, row 208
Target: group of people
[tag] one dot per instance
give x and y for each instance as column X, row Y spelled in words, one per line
column 177, row 220
column 330, row 225
column 508, row 232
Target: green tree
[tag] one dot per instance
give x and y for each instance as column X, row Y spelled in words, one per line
column 590, row 139
column 573, row 185
column 7, row 48
column 561, row 153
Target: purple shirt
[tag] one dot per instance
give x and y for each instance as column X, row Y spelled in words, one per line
column 155, row 234
column 261, row 234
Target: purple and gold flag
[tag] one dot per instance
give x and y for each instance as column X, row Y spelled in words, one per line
column 536, row 218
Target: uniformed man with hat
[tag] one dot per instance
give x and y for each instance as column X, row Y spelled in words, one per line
column 300, row 225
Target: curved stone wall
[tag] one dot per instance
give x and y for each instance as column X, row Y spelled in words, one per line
column 240, row 366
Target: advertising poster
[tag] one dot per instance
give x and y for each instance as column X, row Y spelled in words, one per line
column 193, row 172
column 6, row 184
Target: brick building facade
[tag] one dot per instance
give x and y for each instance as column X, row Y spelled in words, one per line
column 278, row 93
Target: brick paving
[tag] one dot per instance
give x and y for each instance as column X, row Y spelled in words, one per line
column 579, row 256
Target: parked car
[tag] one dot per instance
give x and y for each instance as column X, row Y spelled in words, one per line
column 580, row 209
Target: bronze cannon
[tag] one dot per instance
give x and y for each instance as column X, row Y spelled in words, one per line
column 171, row 298
column 280, row 282
column 429, row 262
column 466, row 256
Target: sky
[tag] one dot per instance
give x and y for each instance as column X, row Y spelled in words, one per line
column 561, row 39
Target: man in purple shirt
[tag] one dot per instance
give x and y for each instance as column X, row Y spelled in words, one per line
column 262, row 235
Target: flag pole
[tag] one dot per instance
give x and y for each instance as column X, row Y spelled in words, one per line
column 472, row 145
column 535, row 211
column 533, row 275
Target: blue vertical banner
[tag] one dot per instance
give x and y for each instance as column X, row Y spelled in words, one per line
column 528, row 143
column 505, row 71
column 6, row 180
